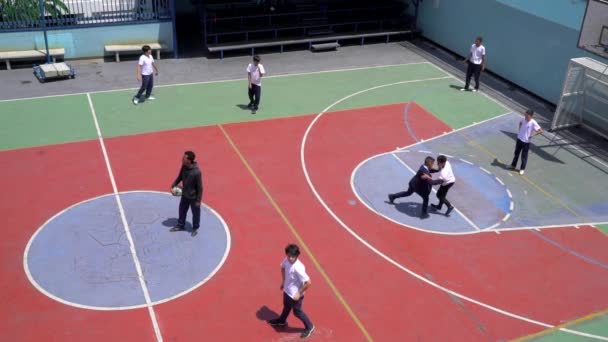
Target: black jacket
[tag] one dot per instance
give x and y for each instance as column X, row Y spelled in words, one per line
column 192, row 182
column 421, row 186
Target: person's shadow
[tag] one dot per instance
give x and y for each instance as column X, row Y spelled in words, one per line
column 172, row 222
column 412, row 209
column 243, row 106
column 498, row 163
column 265, row 314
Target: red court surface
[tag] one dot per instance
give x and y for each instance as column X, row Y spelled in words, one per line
column 514, row 271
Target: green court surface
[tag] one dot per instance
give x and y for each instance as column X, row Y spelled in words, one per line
column 596, row 325
column 604, row 228
column 63, row 119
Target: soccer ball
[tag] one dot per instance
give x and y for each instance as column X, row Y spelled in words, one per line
column 176, row 191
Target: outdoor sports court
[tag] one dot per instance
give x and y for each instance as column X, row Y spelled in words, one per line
column 88, row 256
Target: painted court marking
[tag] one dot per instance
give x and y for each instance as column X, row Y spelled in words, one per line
column 221, row 81
column 387, row 258
column 434, row 190
column 123, row 217
column 40, row 288
column 408, row 225
column 295, row 233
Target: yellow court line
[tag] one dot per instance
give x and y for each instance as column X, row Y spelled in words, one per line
column 558, row 327
column 297, row 236
column 538, row 187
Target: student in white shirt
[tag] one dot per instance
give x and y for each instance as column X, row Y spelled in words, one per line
column 145, row 70
column 528, row 128
column 447, row 176
column 476, row 61
column 294, row 283
column 255, row 72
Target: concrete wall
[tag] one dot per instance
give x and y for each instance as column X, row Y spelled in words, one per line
column 528, row 42
column 89, row 42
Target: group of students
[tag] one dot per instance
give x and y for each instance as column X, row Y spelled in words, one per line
column 295, row 281
column 146, row 69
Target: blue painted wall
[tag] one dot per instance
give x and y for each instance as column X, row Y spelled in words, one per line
column 528, row 42
column 89, row 42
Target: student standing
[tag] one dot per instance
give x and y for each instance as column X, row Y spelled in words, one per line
column 255, row 72
column 528, row 128
column 145, row 70
column 476, row 63
column 192, row 192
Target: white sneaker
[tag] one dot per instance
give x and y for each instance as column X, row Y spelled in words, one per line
column 135, row 100
column 474, row 90
column 521, row 172
column 151, row 98
column 463, row 89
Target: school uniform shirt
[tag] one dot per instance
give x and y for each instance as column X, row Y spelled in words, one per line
column 146, row 64
column 477, row 53
column 295, row 277
column 446, row 174
column 526, row 129
column 256, row 73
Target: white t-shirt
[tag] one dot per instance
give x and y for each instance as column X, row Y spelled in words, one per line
column 256, row 71
column 446, row 174
column 295, row 276
column 526, row 129
column 146, row 64
column 477, row 53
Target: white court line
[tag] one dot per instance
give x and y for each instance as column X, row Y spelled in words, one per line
column 488, row 172
column 123, row 217
column 456, row 130
column 221, row 81
column 507, row 107
column 388, row 259
column 500, row 181
column 435, row 191
column 509, row 193
column 131, row 307
column 554, row 226
column 465, row 161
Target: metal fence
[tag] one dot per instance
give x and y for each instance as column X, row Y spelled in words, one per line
column 17, row 15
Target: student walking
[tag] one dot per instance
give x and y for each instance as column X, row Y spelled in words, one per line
column 295, row 282
column 145, row 70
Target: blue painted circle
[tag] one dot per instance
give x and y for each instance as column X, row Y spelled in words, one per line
column 82, row 256
column 478, row 195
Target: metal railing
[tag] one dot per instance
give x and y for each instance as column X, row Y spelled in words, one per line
column 24, row 15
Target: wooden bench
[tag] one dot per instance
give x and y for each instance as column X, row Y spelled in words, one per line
column 325, row 46
column 116, row 49
column 270, row 43
column 7, row 56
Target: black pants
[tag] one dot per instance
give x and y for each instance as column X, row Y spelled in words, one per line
column 184, row 204
column 410, row 190
column 473, row 69
column 255, row 92
column 521, row 147
column 288, row 305
column 442, row 195
column 147, row 82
